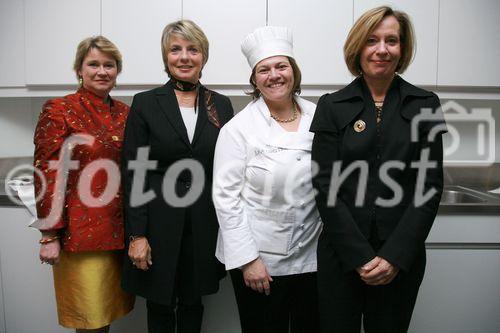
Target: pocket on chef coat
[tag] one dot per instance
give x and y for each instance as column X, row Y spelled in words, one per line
column 272, row 229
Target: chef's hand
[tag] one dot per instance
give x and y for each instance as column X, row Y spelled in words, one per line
column 49, row 252
column 256, row 276
column 139, row 252
column 378, row 272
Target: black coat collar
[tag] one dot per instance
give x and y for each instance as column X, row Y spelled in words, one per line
column 170, row 107
column 350, row 100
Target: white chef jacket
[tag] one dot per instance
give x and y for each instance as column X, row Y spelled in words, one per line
column 263, row 193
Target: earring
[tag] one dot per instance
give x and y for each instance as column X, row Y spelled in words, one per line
column 80, row 81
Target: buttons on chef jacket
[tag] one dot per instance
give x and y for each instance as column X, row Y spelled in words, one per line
column 299, row 157
column 300, row 245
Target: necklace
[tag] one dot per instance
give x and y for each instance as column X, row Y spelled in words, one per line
column 185, row 100
column 288, row 120
column 378, row 107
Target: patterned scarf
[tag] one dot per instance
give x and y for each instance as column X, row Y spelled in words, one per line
column 209, row 102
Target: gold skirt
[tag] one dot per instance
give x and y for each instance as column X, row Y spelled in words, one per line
column 88, row 291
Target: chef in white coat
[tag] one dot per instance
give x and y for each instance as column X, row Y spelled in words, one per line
column 269, row 224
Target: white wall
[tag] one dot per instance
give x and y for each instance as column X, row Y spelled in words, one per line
column 16, row 127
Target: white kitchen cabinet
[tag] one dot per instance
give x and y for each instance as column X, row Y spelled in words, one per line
column 12, row 41
column 28, row 291
column 424, row 16
column 226, row 23
column 53, row 30
column 319, row 32
column 3, row 329
column 465, row 228
column 136, row 26
column 460, row 292
column 469, row 51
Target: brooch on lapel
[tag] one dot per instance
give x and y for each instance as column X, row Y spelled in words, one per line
column 359, row 126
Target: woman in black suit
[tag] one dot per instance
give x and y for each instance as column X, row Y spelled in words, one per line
column 170, row 220
column 379, row 181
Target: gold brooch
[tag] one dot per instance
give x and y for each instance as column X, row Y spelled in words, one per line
column 359, row 126
column 115, row 138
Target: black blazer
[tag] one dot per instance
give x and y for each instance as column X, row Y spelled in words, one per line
column 155, row 121
column 404, row 225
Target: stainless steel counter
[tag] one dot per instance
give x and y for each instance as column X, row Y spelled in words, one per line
column 467, row 190
column 460, row 199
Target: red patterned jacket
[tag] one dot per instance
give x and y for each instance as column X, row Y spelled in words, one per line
column 83, row 227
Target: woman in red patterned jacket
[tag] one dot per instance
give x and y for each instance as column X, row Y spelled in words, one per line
column 77, row 151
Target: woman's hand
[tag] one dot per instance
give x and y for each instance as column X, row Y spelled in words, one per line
column 256, row 276
column 139, row 252
column 378, row 272
column 49, row 252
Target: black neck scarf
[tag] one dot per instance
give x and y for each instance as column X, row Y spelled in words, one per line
column 184, row 85
column 199, row 88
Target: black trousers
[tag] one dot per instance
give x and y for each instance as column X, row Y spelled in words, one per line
column 345, row 300
column 291, row 306
column 186, row 309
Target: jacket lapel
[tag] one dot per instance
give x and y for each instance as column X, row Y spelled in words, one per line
column 349, row 103
column 408, row 91
column 170, row 108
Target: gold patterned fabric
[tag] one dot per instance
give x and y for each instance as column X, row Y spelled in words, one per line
column 88, row 291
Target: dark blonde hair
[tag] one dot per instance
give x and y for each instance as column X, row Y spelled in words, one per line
column 364, row 26
column 297, row 78
column 100, row 43
column 189, row 31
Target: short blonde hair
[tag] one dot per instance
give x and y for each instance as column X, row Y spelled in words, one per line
column 100, row 43
column 364, row 26
column 189, row 31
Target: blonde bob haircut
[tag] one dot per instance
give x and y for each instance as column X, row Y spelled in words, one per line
column 365, row 25
column 100, row 43
column 188, row 30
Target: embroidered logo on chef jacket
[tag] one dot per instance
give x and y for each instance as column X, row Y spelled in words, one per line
column 269, row 150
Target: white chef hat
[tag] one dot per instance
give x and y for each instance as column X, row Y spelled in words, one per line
column 267, row 42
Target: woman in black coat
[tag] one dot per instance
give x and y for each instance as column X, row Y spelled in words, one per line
column 170, row 221
column 379, row 181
